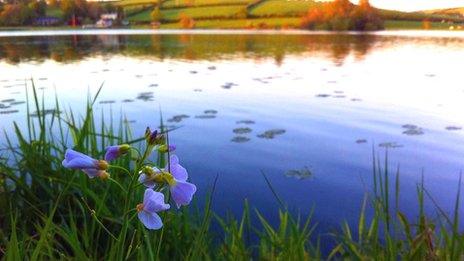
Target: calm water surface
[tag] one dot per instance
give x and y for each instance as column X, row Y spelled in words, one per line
column 307, row 110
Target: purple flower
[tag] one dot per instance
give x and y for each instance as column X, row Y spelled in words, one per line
column 92, row 167
column 153, row 202
column 181, row 190
column 150, row 176
column 113, row 152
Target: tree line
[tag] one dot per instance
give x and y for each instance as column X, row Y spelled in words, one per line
column 24, row 12
column 342, row 15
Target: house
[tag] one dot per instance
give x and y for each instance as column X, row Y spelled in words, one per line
column 107, row 20
column 46, row 21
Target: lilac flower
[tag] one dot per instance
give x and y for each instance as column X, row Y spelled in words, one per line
column 181, row 190
column 150, row 176
column 153, row 202
column 92, row 167
column 113, row 152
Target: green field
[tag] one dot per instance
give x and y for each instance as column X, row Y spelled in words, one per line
column 236, row 14
column 282, row 8
column 413, row 25
column 212, row 12
column 191, row 3
column 241, row 23
column 135, row 2
column 197, row 13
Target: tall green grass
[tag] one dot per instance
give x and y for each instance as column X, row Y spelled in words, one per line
column 49, row 212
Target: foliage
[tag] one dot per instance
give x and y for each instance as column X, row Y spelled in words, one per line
column 341, row 15
column 156, row 15
column 21, row 13
column 186, row 22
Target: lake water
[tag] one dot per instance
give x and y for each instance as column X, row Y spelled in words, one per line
column 306, row 109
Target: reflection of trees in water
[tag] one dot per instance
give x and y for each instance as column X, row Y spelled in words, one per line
column 336, row 47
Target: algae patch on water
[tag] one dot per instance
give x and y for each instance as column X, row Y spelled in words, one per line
column 270, row 134
column 299, row 173
column 242, row 130
column 178, row 118
column 240, row 139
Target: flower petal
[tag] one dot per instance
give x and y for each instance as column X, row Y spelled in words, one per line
column 173, row 160
column 154, row 201
column 182, row 192
column 72, row 154
column 112, row 152
column 80, row 163
column 179, row 172
column 92, row 173
column 150, row 220
column 146, row 181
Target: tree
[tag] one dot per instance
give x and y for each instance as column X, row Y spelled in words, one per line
column 186, row 22
column 38, row 7
column 16, row 15
column 156, row 15
column 341, row 15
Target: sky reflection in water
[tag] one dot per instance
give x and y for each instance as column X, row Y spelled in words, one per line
column 307, row 110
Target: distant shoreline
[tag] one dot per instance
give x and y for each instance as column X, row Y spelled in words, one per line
column 25, row 32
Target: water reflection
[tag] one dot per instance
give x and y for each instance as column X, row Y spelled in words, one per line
column 188, row 46
column 276, row 103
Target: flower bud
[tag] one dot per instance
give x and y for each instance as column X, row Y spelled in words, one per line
column 165, row 148
column 147, row 133
column 156, row 139
column 139, row 207
column 102, row 165
column 103, row 175
column 124, row 148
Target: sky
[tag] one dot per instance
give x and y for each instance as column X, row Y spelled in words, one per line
column 414, row 5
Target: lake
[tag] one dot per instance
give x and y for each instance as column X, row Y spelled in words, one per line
column 306, row 109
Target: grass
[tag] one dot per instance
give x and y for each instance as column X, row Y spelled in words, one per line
column 413, row 25
column 196, row 3
column 49, row 212
column 197, row 13
column 54, row 11
column 282, row 8
column 241, row 23
column 135, row 2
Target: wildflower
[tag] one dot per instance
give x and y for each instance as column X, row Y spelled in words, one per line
column 181, row 190
column 153, row 202
column 153, row 138
column 113, row 152
column 90, row 166
column 150, row 176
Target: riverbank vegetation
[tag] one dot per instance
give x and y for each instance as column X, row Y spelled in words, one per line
column 52, row 212
column 229, row 14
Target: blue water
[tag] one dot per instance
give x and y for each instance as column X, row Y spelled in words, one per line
column 375, row 84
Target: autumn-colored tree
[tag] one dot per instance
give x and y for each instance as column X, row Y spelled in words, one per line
column 365, row 17
column 16, row 15
column 340, row 15
column 53, row 3
column 186, row 22
column 426, row 25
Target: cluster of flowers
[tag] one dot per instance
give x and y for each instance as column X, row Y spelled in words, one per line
column 155, row 179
